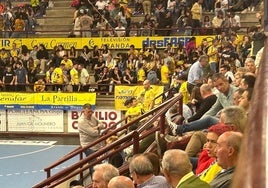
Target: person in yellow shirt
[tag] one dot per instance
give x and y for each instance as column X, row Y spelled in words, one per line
column 213, row 56
column 165, row 75
column 196, row 16
column 58, row 78
column 3, row 54
column 182, row 79
column 39, row 85
column 68, row 63
column 74, row 77
column 147, row 96
column 141, row 75
column 14, row 52
column 134, row 110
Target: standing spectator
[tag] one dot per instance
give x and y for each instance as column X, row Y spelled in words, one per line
column 178, row 170
column 195, row 75
column 197, row 16
column 99, row 65
column 83, row 78
column 147, row 5
column 74, row 78
column 9, row 78
column 58, row 77
column 86, row 23
column 85, row 57
column 147, row 96
column 217, row 22
column 21, row 78
column 213, row 56
column 89, row 130
column 258, row 39
column 164, row 24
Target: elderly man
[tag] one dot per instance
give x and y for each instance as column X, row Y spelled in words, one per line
column 89, row 129
column 178, row 170
column 121, row 182
column 142, row 172
column 103, row 173
column 227, row 156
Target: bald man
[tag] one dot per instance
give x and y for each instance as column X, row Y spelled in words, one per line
column 121, row 182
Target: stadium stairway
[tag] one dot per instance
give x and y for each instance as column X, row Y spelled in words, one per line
column 58, row 21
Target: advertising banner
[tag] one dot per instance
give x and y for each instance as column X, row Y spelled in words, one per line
column 63, row 101
column 3, row 120
column 112, row 42
column 35, row 120
column 107, row 116
column 122, row 93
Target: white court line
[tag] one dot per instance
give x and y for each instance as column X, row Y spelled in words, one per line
column 29, row 153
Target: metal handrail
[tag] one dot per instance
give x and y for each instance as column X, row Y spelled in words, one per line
column 71, row 171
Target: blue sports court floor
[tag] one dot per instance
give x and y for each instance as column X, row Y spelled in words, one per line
column 22, row 162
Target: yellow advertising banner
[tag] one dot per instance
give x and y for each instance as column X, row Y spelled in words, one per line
column 112, row 42
column 122, row 93
column 46, row 100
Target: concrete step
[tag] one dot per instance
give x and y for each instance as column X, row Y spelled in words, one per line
column 61, row 3
column 62, row 12
column 44, row 28
column 50, row 34
column 55, row 21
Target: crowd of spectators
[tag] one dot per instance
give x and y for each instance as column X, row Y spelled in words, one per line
column 19, row 20
column 71, row 70
column 114, row 18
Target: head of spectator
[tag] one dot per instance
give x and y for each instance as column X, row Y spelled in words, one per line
column 146, row 84
column 103, row 173
column 228, row 147
column 203, row 60
column 75, row 183
column 250, row 65
column 142, row 172
column 224, row 69
column 177, row 169
column 154, row 159
column 235, row 117
column 87, row 110
column 121, row 182
column 237, row 95
column 238, row 77
column 244, row 101
column 221, row 83
column 213, row 134
column 141, row 169
column 205, row 91
column 247, row 81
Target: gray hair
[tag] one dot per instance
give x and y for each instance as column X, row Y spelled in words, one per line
column 177, row 162
column 235, row 115
column 108, row 171
column 141, row 165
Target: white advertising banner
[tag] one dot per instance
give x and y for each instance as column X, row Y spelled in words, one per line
column 35, row 120
column 107, row 116
column 3, row 120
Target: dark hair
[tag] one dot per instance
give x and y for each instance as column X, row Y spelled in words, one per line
column 250, row 93
column 249, row 80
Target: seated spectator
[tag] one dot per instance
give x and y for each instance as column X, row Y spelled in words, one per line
column 178, row 170
column 121, row 182
column 225, row 70
column 115, row 78
column 141, row 170
column 120, row 30
column 229, row 144
column 39, row 85
column 129, row 77
column 103, row 80
column 103, row 173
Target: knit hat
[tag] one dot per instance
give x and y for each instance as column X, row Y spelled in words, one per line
column 219, row 128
